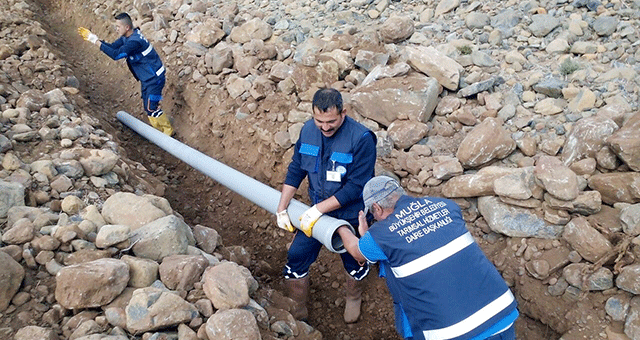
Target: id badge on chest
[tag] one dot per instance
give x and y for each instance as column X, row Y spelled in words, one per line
column 333, row 176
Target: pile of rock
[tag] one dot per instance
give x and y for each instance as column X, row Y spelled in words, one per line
column 166, row 283
column 524, row 111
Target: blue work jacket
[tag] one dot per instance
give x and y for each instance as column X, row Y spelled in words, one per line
column 440, row 280
column 351, row 151
column 142, row 59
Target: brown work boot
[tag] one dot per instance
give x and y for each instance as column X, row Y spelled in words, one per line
column 298, row 291
column 353, row 299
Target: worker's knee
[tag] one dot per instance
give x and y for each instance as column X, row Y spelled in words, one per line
column 302, row 253
column 303, row 247
column 301, row 258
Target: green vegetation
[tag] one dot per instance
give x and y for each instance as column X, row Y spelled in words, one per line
column 465, row 49
column 569, row 66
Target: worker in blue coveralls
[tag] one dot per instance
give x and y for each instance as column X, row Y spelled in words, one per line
column 143, row 62
column 337, row 155
column 442, row 284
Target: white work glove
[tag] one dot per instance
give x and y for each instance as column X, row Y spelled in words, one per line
column 282, row 218
column 87, row 35
column 308, row 219
column 93, row 38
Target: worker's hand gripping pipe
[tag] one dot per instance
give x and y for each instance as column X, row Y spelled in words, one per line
column 257, row 192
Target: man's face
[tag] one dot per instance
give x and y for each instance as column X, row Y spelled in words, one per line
column 121, row 27
column 328, row 121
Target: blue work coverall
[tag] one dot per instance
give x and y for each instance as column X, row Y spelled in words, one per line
column 351, row 151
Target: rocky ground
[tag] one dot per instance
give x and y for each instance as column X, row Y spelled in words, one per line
column 526, row 113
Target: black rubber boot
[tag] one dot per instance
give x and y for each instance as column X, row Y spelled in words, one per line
column 353, row 299
column 298, row 291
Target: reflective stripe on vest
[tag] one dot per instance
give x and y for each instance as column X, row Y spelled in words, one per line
column 474, row 320
column 434, row 257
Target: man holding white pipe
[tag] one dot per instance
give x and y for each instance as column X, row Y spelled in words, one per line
column 337, row 155
column 442, row 284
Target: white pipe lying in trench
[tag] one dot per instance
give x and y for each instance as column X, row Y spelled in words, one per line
column 257, row 192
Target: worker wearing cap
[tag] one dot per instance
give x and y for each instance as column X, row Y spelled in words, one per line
column 442, row 284
column 143, row 62
column 337, row 155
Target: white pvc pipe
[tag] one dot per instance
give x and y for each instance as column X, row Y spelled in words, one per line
column 257, row 192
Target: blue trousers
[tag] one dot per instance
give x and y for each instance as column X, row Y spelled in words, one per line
column 152, row 93
column 304, row 251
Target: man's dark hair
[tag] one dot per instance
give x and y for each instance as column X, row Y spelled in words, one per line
column 125, row 18
column 326, row 98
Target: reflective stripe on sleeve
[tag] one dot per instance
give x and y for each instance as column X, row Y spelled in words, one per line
column 160, row 70
column 476, row 319
column 433, row 257
column 148, row 50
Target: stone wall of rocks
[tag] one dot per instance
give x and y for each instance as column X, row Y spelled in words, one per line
column 176, row 276
column 525, row 112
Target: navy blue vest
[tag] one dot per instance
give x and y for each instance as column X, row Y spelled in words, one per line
column 144, row 64
column 438, row 274
column 338, row 157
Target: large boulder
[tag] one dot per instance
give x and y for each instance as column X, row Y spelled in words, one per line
column 396, row 29
column 125, row 208
column 617, row 186
column 153, row 308
column 486, row 142
column 586, row 138
column 98, row 162
column 626, row 142
column 384, row 100
column 180, row 272
column 161, row 238
column 91, row 284
column 515, row 221
column 586, row 240
column 252, row 29
column 226, row 285
column 11, row 194
column 434, row 64
column 11, row 275
column 232, row 324
column 560, row 181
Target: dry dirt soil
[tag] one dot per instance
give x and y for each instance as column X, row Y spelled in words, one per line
column 108, row 87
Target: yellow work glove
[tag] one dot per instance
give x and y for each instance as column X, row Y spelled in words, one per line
column 87, row 35
column 282, row 218
column 308, row 219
